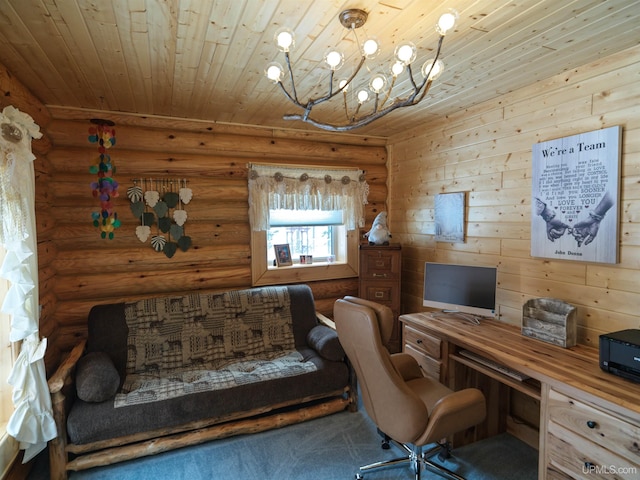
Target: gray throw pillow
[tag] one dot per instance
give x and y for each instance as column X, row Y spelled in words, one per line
column 97, row 379
column 325, row 341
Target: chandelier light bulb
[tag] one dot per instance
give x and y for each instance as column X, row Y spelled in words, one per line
column 378, row 83
column 447, row 21
column 406, row 53
column 274, row 72
column 343, row 85
column 437, row 69
column 397, row 68
column 334, row 59
column 363, row 96
column 285, row 39
column 370, row 48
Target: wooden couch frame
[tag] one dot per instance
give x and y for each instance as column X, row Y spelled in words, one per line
column 119, row 449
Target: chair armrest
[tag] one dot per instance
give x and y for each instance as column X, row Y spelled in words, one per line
column 58, row 379
column 455, row 412
column 406, row 365
column 324, row 320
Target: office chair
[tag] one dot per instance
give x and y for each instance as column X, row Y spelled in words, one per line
column 410, row 409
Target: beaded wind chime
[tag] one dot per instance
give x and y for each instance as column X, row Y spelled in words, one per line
column 105, row 188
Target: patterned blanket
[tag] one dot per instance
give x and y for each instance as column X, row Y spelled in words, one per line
column 204, row 342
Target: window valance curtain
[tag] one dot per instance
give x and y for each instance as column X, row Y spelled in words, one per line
column 32, row 422
column 305, row 188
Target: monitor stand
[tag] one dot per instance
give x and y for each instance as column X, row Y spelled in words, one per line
column 469, row 317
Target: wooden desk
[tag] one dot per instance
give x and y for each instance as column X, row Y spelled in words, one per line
column 589, row 419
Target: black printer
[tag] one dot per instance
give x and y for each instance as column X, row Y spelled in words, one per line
column 620, row 353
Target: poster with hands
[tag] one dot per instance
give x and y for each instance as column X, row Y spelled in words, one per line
column 575, row 197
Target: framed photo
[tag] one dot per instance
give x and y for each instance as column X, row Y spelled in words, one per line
column 449, row 216
column 283, row 255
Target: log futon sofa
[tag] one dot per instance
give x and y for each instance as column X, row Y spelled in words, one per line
column 167, row 372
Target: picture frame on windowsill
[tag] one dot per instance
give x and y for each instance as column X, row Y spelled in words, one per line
column 283, row 255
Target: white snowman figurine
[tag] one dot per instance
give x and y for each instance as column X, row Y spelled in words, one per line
column 379, row 233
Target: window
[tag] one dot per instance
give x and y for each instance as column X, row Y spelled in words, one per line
column 316, row 212
column 317, row 233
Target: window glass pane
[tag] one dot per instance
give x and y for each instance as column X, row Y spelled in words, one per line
column 308, row 240
column 308, row 232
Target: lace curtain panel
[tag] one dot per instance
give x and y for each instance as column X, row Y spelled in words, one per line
column 303, row 188
column 32, row 422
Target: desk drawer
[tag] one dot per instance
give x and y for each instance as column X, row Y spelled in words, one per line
column 580, row 458
column 428, row 365
column 603, row 429
column 423, row 342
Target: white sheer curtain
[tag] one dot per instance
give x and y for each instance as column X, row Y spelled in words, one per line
column 32, row 422
column 306, row 188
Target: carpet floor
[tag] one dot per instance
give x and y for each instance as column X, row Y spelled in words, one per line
column 328, row 448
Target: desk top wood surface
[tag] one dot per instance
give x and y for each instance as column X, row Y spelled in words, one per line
column 576, row 368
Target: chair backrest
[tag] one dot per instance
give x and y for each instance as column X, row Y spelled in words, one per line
column 362, row 326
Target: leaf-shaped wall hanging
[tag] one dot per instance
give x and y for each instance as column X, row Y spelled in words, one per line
column 158, row 242
column 149, row 219
column 143, row 232
column 134, row 193
column 185, row 195
column 170, row 249
column 164, row 224
column 161, row 209
column 137, row 208
column 176, row 231
column 171, row 199
column 184, row 243
column 180, row 216
column 151, row 197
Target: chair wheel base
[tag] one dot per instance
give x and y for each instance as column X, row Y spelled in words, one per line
column 359, row 477
column 445, row 452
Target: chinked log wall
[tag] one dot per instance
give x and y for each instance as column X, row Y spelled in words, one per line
column 85, row 269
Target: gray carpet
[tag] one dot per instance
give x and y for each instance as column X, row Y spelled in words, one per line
column 324, row 449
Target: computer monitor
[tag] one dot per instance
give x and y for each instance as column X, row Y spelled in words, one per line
column 460, row 289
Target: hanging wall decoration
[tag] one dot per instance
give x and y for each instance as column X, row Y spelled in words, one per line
column 159, row 207
column 105, row 188
column 576, row 197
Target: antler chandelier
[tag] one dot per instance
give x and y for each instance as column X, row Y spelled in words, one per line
column 405, row 56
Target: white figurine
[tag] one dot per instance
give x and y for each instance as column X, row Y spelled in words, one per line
column 379, row 233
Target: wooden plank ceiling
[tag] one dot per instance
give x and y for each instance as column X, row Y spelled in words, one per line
column 204, row 59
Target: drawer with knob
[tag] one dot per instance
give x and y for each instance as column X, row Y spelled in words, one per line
column 380, row 263
column 584, row 441
column 425, row 348
column 423, row 342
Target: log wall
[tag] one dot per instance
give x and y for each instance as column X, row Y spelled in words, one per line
column 486, row 152
column 86, row 270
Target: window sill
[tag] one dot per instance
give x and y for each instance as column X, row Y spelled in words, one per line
column 263, row 274
column 305, row 273
column 307, row 265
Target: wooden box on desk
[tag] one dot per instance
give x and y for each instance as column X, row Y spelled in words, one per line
column 550, row 320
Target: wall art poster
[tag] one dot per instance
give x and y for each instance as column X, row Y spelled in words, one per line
column 575, row 197
column 450, row 217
